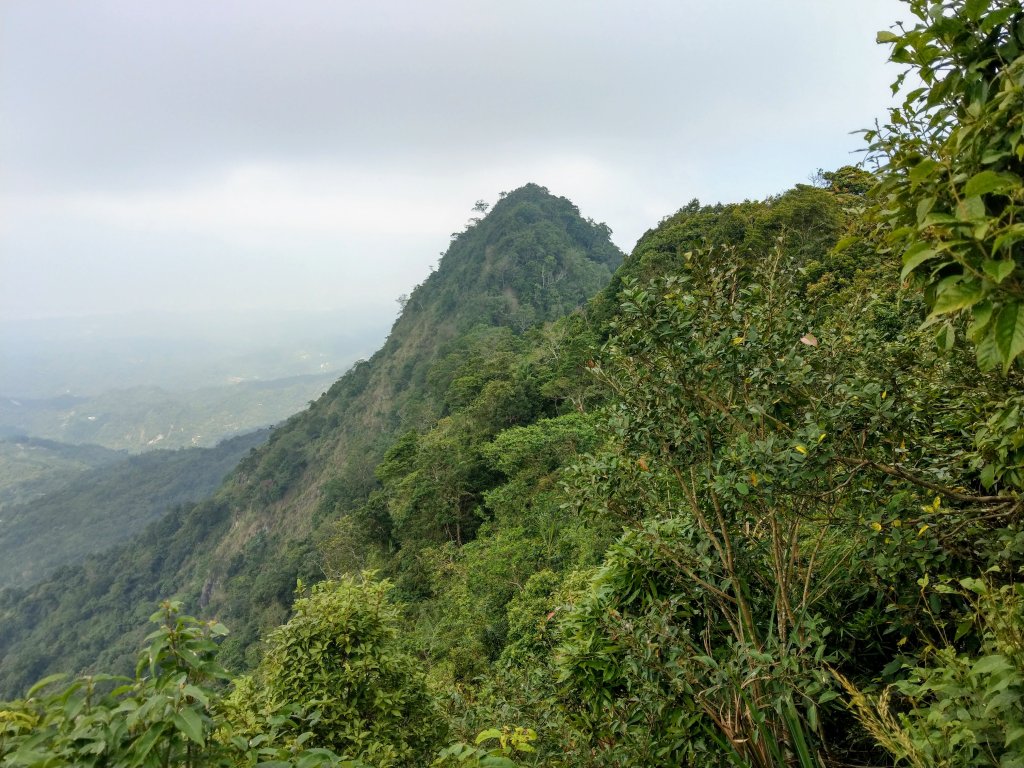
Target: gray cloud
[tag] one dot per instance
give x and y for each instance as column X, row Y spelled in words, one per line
column 274, row 148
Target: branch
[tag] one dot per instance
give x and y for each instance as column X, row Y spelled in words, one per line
column 895, row 471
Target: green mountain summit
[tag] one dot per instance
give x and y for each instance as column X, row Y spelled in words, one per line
column 531, row 259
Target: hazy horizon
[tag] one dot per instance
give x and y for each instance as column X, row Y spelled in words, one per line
column 316, row 156
column 85, row 356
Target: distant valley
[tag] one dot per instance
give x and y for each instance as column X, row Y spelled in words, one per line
column 108, row 423
column 88, row 510
column 87, row 356
column 144, row 418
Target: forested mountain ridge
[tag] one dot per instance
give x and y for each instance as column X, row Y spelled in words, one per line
column 532, row 258
column 758, row 504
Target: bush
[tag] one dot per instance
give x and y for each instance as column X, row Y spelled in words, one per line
column 337, row 664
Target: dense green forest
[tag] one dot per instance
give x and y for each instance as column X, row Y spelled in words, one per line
column 106, row 505
column 750, row 498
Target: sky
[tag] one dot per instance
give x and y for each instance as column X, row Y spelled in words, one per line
column 301, row 155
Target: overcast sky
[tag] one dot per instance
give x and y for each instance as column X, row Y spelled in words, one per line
column 292, row 154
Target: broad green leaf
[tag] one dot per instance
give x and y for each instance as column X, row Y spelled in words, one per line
column 981, row 315
column 924, row 207
column 196, row 693
column 312, row 759
column 886, row 37
column 987, row 182
column 916, row 254
column 975, row 585
column 994, row 19
column 1010, row 236
column 45, row 682
column 497, row 761
column 1009, row 333
column 971, row 209
column 845, row 243
column 30, row 757
column 945, row 338
column 988, row 665
column 973, row 9
column 956, row 296
column 987, row 352
column 144, row 744
column 963, row 628
column 998, row 270
column 923, row 170
column 938, row 217
column 993, row 156
column 988, row 475
column 190, row 723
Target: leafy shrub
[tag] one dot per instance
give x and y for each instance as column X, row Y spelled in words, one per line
column 951, row 193
column 957, row 708
column 337, row 663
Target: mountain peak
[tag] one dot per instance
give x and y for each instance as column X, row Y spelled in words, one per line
column 532, row 258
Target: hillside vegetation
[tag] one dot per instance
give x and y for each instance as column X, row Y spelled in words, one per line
column 756, row 503
column 106, row 505
column 239, row 553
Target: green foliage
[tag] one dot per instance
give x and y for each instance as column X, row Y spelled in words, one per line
column 305, row 500
column 958, row 708
column 163, row 717
column 773, row 460
column 337, row 662
column 966, row 709
column 171, row 714
column 951, row 193
column 510, row 741
column 999, row 440
column 462, row 591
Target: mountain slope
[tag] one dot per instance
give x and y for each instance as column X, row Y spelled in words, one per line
column 31, row 467
column 109, row 504
column 531, row 259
